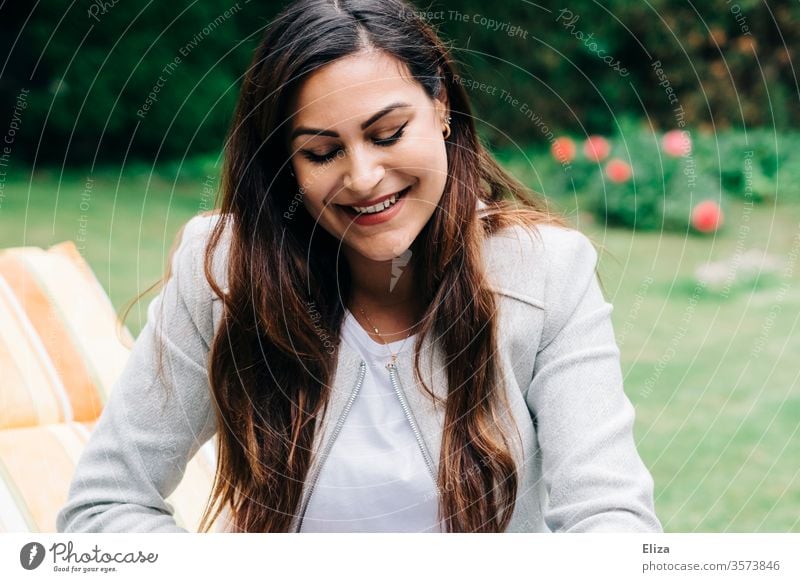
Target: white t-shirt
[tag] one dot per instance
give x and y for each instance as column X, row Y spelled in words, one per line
column 375, row 478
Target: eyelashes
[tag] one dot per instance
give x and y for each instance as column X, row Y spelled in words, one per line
column 392, row 139
column 389, row 141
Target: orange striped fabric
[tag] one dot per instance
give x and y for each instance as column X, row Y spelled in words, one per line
column 36, row 466
column 60, row 353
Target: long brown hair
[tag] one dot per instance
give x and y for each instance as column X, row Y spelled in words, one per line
column 269, row 372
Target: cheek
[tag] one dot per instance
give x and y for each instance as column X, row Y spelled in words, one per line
column 316, row 185
column 434, row 159
column 315, row 205
column 426, row 156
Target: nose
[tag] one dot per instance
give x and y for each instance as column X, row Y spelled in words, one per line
column 365, row 172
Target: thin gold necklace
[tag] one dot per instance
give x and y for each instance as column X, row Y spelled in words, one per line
column 394, row 355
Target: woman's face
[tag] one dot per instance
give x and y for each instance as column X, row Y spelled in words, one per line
column 362, row 131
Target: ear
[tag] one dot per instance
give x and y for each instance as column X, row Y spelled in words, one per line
column 442, row 105
column 441, row 102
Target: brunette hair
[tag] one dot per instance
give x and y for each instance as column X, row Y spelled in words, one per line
column 269, row 372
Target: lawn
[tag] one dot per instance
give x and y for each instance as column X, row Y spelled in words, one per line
column 712, row 377
column 123, row 223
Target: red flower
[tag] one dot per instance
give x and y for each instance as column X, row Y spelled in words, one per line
column 596, row 148
column 677, row 143
column 707, row 216
column 563, row 150
column 618, row 171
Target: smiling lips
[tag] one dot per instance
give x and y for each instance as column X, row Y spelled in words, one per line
column 379, row 205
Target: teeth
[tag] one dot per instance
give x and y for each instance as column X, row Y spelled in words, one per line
column 376, row 207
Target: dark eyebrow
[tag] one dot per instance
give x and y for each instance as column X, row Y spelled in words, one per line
column 311, row 131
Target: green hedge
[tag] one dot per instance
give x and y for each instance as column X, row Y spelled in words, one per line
column 92, row 69
column 641, row 181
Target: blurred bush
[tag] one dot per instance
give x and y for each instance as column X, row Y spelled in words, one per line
column 650, row 180
column 712, row 65
column 93, row 67
column 115, row 81
column 758, row 164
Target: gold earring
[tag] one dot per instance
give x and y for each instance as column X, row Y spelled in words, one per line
column 447, row 127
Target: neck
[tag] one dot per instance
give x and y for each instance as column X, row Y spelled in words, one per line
column 382, row 284
column 386, row 291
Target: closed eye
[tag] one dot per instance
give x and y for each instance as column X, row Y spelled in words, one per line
column 392, row 139
column 323, row 158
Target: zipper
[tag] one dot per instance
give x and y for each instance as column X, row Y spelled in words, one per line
column 404, row 404
column 336, row 431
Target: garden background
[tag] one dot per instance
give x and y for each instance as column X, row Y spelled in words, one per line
column 665, row 130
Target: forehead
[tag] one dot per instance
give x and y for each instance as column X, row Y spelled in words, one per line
column 354, row 86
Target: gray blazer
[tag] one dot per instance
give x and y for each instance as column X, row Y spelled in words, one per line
column 578, row 464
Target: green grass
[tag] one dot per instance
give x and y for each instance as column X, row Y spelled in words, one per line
column 719, row 426
column 129, row 226
column 715, row 383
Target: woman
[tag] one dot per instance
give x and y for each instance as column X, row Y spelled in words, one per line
column 385, row 331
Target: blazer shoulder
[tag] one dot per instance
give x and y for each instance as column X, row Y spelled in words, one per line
column 187, row 273
column 523, row 262
column 192, row 245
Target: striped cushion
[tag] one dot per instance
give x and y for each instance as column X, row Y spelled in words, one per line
column 36, row 466
column 60, row 350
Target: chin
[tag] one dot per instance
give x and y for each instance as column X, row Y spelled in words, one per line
column 385, row 256
column 386, row 247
